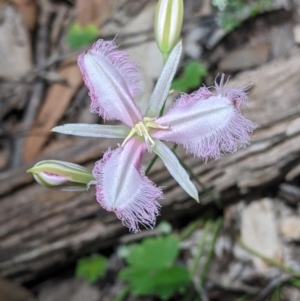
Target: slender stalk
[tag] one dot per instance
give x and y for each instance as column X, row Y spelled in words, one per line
column 200, row 248
column 190, row 229
column 151, row 164
column 244, row 298
column 268, row 260
column 154, row 160
column 123, row 294
column 218, row 226
column 165, row 56
column 190, row 294
column 162, row 110
column 276, row 296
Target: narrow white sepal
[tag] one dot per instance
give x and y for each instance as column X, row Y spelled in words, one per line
column 163, row 85
column 175, row 168
column 93, row 130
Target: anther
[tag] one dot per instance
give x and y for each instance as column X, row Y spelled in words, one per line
column 142, row 130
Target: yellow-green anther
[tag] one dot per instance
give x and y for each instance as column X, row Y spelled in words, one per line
column 167, row 24
column 142, row 129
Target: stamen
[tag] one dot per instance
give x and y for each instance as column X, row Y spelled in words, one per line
column 151, row 124
column 171, row 92
column 139, row 129
column 148, row 144
column 131, row 133
column 142, row 129
column 154, row 125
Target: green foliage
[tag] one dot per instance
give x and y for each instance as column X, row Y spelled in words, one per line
column 91, row 268
column 151, row 269
column 78, row 36
column 233, row 12
column 193, row 74
column 230, row 13
column 276, row 295
column 295, row 282
column 245, row 297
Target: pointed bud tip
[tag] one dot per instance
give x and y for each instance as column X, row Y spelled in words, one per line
column 168, row 24
column 61, row 175
column 54, row 129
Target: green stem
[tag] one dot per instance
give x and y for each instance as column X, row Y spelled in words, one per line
column 123, row 294
column 190, row 294
column 165, row 56
column 244, row 298
column 190, row 229
column 154, row 160
column 268, row 260
column 276, row 296
column 205, row 269
column 200, row 248
column 151, row 164
column 162, row 110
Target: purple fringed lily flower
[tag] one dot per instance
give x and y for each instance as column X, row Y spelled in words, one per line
column 205, row 123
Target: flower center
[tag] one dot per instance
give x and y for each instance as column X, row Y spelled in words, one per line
column 142, row 129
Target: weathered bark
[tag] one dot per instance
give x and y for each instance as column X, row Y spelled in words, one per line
column 42, row 229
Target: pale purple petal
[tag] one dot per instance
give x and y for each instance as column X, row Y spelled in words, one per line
column 122, row 187
column 50, row 178
column 207, row 124
column 237, row 95
column 113, row 81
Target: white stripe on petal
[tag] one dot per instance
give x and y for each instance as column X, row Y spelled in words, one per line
column 207, row 125
column 113, row 81
column 122, row 187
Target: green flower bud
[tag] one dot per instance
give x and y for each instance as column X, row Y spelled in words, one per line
column 167, row 24
column 61, row 175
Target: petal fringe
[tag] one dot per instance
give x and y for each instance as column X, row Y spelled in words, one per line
column 206, row 124
column 112, row 80
column 123, row 188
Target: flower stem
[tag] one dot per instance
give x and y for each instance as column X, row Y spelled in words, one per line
column 200, row 247
column 151, row 164
column 165, row 56
column 190, row 229
column 268, row 260
column 205, row 269
column 123, row 294
column 154, row 160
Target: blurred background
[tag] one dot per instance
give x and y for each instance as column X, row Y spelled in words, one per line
column 242, row 242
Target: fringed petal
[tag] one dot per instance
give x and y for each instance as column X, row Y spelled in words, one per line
column 113, row 81
column 122, row 187
column 208, row 124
